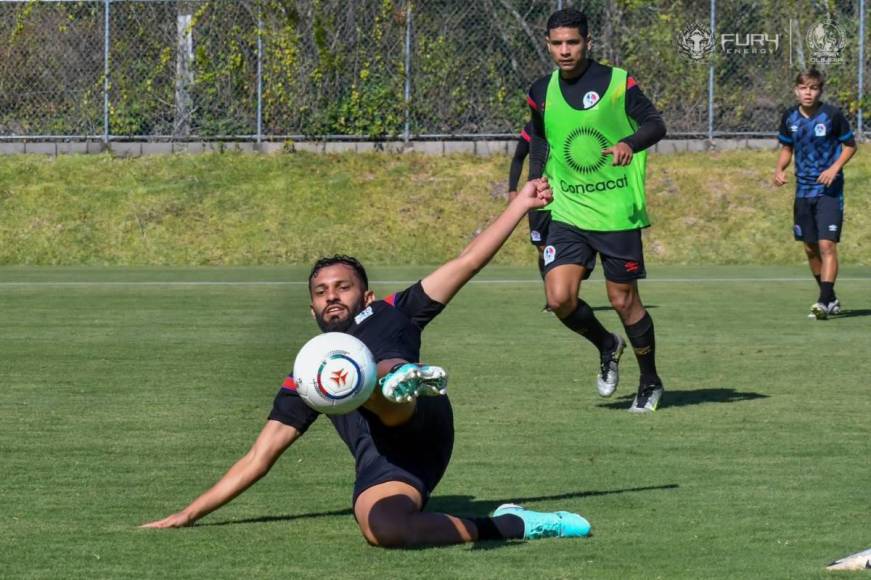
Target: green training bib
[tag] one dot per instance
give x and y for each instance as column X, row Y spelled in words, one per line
column 589, row 192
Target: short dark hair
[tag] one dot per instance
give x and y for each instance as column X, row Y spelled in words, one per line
column 568, row 18
column 349, row 261
column 811, row 74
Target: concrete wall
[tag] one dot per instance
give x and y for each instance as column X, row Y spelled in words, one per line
column 504, row 147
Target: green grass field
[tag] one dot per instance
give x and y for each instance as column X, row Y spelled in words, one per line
column 127, row 392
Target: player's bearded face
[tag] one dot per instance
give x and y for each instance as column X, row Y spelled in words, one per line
column 337, row 297
column 337, row 316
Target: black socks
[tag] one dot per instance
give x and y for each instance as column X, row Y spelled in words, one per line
column 584, row 322
column 643, row 341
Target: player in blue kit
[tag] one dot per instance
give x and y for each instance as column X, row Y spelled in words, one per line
column 819, row 137
column 402, row 438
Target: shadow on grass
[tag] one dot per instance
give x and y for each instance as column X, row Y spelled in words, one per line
column 469, row 505
column 463, row 505
column 851, row 314
column 687, row 398
column 606, row 308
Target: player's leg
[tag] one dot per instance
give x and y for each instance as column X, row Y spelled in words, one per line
column 829, row 218
column 390, row 515
column 829, row 271
column 539, row 223
column 390, row 493
column 806, row 230
column 814, row 260
column 562, row 285
column 568, row 260
column 623, row 263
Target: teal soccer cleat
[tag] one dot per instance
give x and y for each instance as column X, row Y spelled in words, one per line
column 408, row 381
column 538, row 525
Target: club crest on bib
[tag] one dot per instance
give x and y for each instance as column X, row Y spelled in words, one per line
column 549, row 255
column 590, row 99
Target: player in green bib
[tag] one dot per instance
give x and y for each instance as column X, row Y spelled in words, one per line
column 591, row 126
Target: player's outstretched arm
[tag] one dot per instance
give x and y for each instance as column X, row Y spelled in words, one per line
column 273, row 440
column 442, row 284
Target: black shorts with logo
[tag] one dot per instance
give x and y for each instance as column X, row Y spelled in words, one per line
column 818, row 218
column 539, row 225
column 622, row 252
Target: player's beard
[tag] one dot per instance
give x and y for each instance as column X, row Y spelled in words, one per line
column 339, row 324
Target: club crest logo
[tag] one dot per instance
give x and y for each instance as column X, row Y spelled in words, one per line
column 549, row 255
column 535, row 235
column 696, row 42
column 820, row 130
column 826, row 41
column 590, row 99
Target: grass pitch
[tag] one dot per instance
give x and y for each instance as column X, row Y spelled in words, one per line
column 127, row 392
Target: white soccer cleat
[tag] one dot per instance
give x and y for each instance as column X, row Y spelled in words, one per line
column 820, row 311
column 647, row 399
column 609, row 370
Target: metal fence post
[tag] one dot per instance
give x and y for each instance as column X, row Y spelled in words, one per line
column 711, row 76
column 861, row 67
column 259, row 72
column 406, row 134
column 106, row 71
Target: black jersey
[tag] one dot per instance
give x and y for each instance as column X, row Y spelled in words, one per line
column 390, row 328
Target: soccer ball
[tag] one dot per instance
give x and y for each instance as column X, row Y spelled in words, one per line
column 334, row 373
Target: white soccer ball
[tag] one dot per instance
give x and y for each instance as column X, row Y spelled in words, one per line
column 335, row 373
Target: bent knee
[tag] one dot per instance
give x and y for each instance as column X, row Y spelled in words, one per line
column 385, row 536
column 622, row 302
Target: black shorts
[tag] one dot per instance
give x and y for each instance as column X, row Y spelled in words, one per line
column 539, row 225
column 818, row 218
column 416, row 453
column 622, row 252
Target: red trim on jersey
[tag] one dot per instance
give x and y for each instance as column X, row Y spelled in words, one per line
column 289, row 383
column 630, row 82
column 525, row 136
column 531, row 103
column 391, row 300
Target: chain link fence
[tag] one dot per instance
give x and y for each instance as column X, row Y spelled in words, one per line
column 363, row 69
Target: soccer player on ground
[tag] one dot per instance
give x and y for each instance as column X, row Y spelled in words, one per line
column 539, row 219
column 820, row 137
column 401, row 438
column 584, row 115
